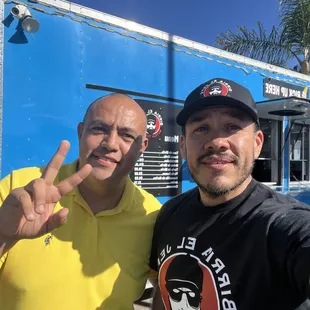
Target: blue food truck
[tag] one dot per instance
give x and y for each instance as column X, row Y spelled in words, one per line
column 57, row 57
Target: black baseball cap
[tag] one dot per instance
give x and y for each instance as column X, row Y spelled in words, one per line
column 218, row 92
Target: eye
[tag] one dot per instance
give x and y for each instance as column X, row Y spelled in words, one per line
column 128, row 136
column 201, row 129
column 233, row 127
column 97, row 129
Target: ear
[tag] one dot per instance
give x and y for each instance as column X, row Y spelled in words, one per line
column 259, row 141
column 80, row 130
column 144, row 145
column 183, row 147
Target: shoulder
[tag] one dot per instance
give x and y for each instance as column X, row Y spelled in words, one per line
column 149, row 202
column 280, row 202
column 170, row 207
column 18, row 178
column 283, row 210
column 21, row 177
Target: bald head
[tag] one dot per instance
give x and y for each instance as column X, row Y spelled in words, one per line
column 121, row 104
column 116, row 99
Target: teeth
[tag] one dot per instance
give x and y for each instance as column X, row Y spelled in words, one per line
column 104, row 158
column 218, row 163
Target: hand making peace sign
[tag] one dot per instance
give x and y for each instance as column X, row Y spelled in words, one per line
column 28, row 212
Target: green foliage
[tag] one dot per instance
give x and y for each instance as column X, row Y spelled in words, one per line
column 289, row 40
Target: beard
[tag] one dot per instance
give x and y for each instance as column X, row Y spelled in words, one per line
column 215, row 189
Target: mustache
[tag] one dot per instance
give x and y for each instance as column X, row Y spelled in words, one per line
column 218, row 155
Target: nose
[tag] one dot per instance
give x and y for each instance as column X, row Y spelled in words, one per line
column 184, row 302
column 217, row 142
column 110, row 141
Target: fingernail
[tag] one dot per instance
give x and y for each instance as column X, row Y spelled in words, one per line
column 40, row 208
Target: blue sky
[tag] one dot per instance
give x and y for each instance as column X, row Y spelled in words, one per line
column 198, row 20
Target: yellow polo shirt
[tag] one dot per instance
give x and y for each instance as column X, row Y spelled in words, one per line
column 92, row 262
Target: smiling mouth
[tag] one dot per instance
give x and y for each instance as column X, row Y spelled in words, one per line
column 216, row 162
column 105, row 161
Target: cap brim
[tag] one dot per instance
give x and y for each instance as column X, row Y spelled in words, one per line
column 207, row 102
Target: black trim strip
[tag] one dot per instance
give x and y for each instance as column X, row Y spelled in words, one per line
column 134, row 93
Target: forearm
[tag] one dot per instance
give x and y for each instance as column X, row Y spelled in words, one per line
column 157, row 301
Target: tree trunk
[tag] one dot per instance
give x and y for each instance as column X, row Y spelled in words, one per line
column 304, row 67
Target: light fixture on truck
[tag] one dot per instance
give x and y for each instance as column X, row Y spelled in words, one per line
column 28, row 23
column 292, row 107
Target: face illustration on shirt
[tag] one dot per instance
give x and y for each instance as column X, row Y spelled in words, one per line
column 187, row 283
column 183, row 295
column 184, row 289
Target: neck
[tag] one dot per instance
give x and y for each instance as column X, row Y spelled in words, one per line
column 212, row 202
column 101, row 196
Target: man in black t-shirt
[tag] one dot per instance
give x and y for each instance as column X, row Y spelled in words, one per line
column 231, row 242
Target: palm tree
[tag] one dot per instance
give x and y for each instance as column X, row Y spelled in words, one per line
column 289, row 40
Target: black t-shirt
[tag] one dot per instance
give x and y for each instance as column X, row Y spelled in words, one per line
column 252, row 252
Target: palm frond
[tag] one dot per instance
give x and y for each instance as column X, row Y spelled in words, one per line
column 269, row 47
column 288, row 6
column 295, row 22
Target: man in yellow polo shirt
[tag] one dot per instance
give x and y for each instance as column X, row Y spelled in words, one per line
column 78, row 236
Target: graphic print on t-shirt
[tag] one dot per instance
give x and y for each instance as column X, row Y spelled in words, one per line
column 183, row 288
column 193, row 280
